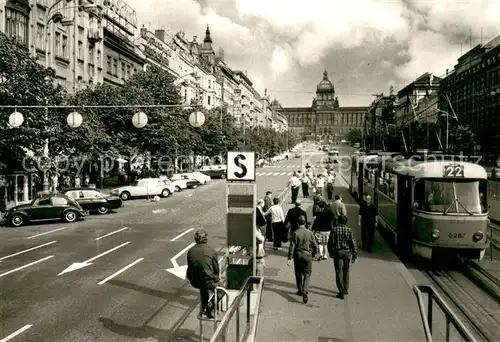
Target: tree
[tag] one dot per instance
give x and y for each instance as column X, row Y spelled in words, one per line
column 354, row 135
column 463, row 139
column 23, row 82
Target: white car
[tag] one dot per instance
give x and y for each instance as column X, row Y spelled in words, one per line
column 145, row 187
column 198, row 176
column 179, row 183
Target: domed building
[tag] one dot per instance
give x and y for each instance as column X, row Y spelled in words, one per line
column 325, row 118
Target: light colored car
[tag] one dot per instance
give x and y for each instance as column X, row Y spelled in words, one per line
column 179, row 183
column 197, row 176
column 145, row 187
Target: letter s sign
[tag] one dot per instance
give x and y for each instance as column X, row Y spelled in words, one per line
column 241, row 166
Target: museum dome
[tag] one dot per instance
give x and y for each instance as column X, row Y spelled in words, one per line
column 325, row 86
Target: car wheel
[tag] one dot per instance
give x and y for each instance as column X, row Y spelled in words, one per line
column 165, row 193
column 194, row 186
column 125, row 195
column 222, row 176
column 102, row 210
column 177, row 188
column 17, row 220
column 69, row 216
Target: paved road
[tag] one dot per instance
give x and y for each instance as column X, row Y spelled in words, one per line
column 144, row 302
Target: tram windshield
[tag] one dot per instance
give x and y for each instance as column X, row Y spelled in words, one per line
column 447, row 197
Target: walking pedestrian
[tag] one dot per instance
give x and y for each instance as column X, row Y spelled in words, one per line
column 278, row 223
column 302, row 249
column 295, row 184
column 342, row 247
column 260, row 219
column 305, row 185
column 267, row 205
column 368, row 220
column 260, row 253
column 203, row 272
column 338, row 208
column 293, row 214
column 321, row 228
column 320, row 185
column 330, row 181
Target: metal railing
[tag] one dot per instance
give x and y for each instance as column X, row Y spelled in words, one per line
column 450, row 317
column 234, row 312
column 217, row 309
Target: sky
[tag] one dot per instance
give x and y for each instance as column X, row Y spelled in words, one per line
column 366, row 46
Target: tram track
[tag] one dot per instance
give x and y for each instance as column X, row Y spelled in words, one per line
column 494, row 232
column 476, row 295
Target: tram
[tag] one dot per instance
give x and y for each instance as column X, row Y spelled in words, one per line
column 432, row 206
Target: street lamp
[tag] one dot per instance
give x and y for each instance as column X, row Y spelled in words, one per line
column 447, row 124
column 16, row 119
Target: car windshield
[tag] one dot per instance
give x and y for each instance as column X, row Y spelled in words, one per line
column 466, row 196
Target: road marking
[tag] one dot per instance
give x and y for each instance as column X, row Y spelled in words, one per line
column 120, row 271
column 182, row 234
column 109, row 234
column 17, row 332
column 283, row 173
column 174, row 261
column 50, row 231
column 25, row 266
column 27, row 250
column 276, row 173
column 290, row 173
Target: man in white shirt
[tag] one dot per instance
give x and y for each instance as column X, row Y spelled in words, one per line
column 330, row 181
column 320, row 185
column 338, row 208
column 295, row 184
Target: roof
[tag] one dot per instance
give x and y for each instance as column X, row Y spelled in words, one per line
column 325, row 86
column 434, row 169
column 244, row 76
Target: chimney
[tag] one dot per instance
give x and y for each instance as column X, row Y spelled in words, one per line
column 194, row 39
column 446, row 72
column 143, row 31
column 160, row 34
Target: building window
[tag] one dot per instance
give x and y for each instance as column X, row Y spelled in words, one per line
column 209, row 84
column 58, row 48
column 65, row 46
column 16, row 25
column 40, row 44
column 123, row 70
column 108, row 68
column 80, row 50
column 129, row 71
column 208, row 100
column 99, row 58
column 115, row 67
column 185, row 95
column 91, row 56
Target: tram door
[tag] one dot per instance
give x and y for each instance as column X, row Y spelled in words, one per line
column 360, row 180
column 404, row 226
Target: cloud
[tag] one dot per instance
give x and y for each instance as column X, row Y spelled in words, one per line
column 365, row 44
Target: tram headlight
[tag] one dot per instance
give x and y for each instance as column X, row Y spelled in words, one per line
column 435, row 234
column 478, row 236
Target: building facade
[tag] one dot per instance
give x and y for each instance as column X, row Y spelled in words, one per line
column 325, row 118
column 83, row 43
column 418, row 100
column 471, row 91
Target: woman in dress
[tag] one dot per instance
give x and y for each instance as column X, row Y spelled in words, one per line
column 321, row 228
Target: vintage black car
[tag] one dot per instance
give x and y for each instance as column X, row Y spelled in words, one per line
column 46, row 206
column 215, row 171
column 94, row 200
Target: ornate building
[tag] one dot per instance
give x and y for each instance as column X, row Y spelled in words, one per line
column 325, row 118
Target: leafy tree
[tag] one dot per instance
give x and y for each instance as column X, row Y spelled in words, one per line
column 23, row 82
column 355, row 135
column 463, row 139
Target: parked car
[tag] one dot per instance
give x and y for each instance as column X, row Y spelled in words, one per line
column 190, row 181
column 179, row 184
column 202, row 178
column 214, row 171
column 44, row 207
column 145, row 187
column 94, row 200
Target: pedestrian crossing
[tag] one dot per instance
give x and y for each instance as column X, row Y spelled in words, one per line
column 282, row 166
column 267, row 174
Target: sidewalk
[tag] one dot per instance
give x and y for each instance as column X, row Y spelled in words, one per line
column 380, row 306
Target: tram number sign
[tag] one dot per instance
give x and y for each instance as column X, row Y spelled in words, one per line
column 456, row 235
column 453, row 171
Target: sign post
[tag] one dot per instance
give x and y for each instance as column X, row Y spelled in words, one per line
column 241, row 191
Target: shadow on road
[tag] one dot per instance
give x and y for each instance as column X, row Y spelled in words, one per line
column 176, row 296
column 145, row 331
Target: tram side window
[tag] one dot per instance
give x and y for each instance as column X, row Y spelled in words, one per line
column 391, row 184
column 483, row 195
